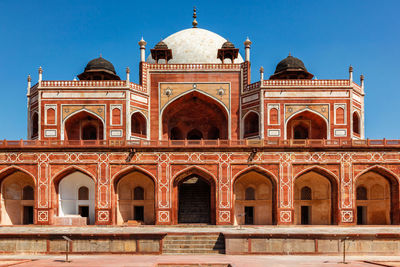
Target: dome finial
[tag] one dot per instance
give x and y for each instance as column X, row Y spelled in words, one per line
column 194, row 23
column 290, row 54
column 101, row 55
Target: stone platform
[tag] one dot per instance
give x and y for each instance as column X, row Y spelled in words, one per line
column 278, row 240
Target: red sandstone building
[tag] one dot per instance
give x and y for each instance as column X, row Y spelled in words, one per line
column 197, row 142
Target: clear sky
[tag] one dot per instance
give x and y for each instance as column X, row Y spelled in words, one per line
column 62, row 36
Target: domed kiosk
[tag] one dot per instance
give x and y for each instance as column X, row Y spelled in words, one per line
column 99, row 69
column 291, row 68
column 194, row 45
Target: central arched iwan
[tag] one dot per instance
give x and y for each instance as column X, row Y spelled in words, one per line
column 307, row 125
column 194, row 116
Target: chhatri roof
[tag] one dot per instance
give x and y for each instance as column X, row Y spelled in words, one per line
column 194, row 45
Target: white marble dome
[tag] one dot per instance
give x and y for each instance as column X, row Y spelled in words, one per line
column 195, row 45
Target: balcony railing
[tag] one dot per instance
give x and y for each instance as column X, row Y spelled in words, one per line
column 267, row 143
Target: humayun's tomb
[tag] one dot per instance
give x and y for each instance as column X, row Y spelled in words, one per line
column 196, row 141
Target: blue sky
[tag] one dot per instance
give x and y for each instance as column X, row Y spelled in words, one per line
column 62, row 36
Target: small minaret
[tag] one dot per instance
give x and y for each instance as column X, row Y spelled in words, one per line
column 362, row 82
column 261, row 74
column 194, row 23
column 247, row 45
column 142, row 44
column 28, row 91
column 127, row 75
column 351, row 74
column 40, row 75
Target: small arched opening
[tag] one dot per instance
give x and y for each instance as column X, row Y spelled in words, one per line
column 251, row 125
column 35, row 126
column 356, row 124
column 194, row 134
column 138, row 125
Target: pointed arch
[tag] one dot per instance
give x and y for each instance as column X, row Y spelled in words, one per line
column 266, row 205
column 191, row 110
column 139, row 124
column 203, row 175
column 61, row 174
column 356, row 122
column 104, row 131
column 251, row 124
column 289, row 119
column 393, row 180
column 12, row 169
column 127, row 170
column 333, row 193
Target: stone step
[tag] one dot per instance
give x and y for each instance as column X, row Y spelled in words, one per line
column 191, row 237
column 193, row 251
column 190, row 247
column 195, row 241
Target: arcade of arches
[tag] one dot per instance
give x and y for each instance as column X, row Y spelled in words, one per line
column 195, row 116
column 194, row 198
column 306, row 125
column 84, row 126
column 135, row 198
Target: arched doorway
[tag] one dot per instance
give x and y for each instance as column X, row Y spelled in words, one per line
column 376, row 193
column 315, row 198
column 76, row 196
column 306, row 125
column 135, row 198
column 138, row 125
column 84, row 126
column 195, row 116
column 356, row 124
column 194, row 198
column 17, row 199
column 254, row 198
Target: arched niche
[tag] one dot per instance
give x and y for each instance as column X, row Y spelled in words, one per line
column 251, row 125
column 35, row 125
column 307, row 125
column 135, row 198
column 356, row 123
column 76, row 196
column 376, row 196
column 84, row 126
column 17, row 199
column 254, row 198
column 194, row 112
column 138, row 125
column 315, row 198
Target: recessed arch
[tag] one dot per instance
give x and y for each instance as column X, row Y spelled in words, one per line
column 127, row 205
column 356, row 123
column 251, row 124
column 100, row 125
column 34, row 125
column 139, row 124
column 262, row 210
column 317, row 125
column 322, row 208
column 381, row 210
column 17, row 191
column 206, row 183
column 194, row 110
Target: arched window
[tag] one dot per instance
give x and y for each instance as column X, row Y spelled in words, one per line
column 340, row 116
column 213, row 133
column 138, row 124
column 361, row 193
column 116, row 116
column 251, row 124
column 306, row 193
column 89, row 132
column 51, row 116
column 356, row 123
column 28, row 193
column 138, row 193
column 250, row 194
column 300, row 132
column 273, row 116
column 83, row 193
column 35, row 125
column 194, row 135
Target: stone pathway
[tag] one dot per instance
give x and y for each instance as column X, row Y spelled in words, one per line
column 235, row 261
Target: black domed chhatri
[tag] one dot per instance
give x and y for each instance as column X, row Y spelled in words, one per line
column 99, row 69
column 291, row 68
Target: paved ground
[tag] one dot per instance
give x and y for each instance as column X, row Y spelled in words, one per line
column 236, row 261
column 203, row 229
